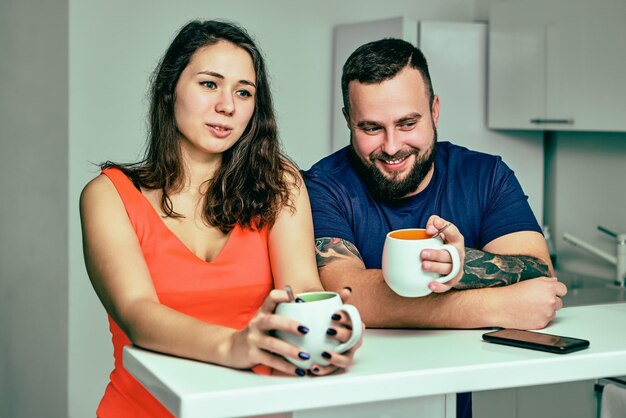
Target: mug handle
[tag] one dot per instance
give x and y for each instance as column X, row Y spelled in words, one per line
column 357, row 328
column 456, row 263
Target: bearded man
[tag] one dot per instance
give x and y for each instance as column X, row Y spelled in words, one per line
column 396, row 175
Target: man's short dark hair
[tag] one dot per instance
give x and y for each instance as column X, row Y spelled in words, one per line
column 381, row 60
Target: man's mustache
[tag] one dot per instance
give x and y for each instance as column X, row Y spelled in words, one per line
column 397, row 156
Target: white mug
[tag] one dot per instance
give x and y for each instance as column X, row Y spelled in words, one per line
column 316, row 313
column 402, row 263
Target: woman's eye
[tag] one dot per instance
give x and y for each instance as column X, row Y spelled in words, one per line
column 208, row 84
column 244, row 93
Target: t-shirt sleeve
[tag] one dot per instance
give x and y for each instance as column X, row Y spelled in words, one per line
column 507, row 209
column 331, row 208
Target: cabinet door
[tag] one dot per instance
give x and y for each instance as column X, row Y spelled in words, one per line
column 517, row 77
column 592, row 59
column 557, row 65
column 519, row 36
column 571, row 400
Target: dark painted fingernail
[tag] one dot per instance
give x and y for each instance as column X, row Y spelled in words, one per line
column 315, row 369
column 303, row 329
column 331, row 331
column 336, row 317
column 300, row 372
column 326, row 355
column 349, row 288
column 303, row 356
column 298, row 300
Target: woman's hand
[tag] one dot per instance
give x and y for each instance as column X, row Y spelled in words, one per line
column 342, row 330
column 254, row 345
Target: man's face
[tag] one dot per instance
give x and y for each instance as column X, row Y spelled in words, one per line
column 393, row 133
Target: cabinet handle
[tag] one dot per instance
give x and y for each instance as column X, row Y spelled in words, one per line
column 561, row 121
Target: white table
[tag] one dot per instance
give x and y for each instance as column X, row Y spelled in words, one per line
column 395, row 371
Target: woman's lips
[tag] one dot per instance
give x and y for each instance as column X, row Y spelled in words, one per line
column 218, row 130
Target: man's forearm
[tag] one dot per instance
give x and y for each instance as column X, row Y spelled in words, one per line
column 380, row 307
column 519, row 306
column 340, row 265
column 483, row 269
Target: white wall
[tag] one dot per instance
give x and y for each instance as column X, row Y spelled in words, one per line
column 113, row 48
column 34, row 225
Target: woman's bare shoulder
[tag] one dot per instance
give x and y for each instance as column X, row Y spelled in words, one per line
column 99, row 191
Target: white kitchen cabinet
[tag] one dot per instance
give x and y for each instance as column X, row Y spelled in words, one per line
column 571, row 400
column 557, row 65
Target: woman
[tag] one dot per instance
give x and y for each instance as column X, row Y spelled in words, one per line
column 184, row 247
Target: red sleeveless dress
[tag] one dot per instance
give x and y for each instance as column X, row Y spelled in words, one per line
column 227, row 291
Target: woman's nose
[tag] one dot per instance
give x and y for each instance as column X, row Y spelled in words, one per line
column 225, row 104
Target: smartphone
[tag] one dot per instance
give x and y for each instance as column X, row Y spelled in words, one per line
column 536, row 341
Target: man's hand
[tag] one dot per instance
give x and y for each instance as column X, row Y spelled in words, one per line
column 530, row 304
column 439, row 261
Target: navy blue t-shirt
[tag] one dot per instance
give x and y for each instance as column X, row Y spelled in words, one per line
column 477, row 192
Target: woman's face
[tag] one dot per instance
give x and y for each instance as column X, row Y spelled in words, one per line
column 215, row 98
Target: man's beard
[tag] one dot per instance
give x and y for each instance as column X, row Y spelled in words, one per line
column 386, row 188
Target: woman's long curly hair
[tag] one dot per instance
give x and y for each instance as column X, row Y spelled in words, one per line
column 252, row 183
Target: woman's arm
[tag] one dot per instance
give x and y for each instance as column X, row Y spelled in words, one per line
column 291, row 245
column 293, row 261
column 122, row 281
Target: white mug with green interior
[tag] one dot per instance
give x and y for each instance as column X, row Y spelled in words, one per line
column 316, row 313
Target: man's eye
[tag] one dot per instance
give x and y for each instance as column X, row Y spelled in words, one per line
column 371, row 130
column 407, row 126
column 208, row 84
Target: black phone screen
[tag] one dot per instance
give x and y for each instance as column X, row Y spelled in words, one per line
column 536, row 340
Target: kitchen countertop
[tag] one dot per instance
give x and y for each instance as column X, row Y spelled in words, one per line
column 391, row 365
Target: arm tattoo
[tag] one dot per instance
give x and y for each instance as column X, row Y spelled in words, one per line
column 328, row 250
column 483, row 269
